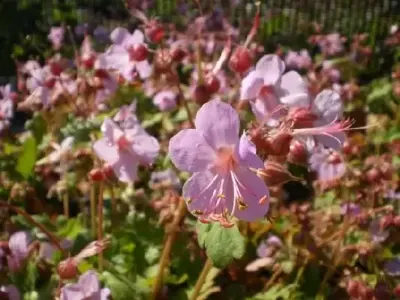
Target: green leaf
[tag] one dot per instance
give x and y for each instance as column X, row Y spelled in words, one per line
column 119, row 286
column 222, row 245
column 288, row 292
column 27, row 159
column 155, row 119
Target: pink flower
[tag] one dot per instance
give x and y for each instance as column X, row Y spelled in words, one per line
column 125, row 149
column 10, row 291
column 87, row 287
column 328, row 165
column 165, row 100
column 128, row 54
column 223, row 183
column 56, row 37
column 126, row 117
column 298, row 60
column 325, row 113
column 18, row 244
column 267, row 88
column 6, row 106
column 331, row 44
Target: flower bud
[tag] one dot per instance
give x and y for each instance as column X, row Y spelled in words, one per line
column 274, row 174
column 212, row 84
column 55, row 68
column 178, row 54
column 301, row 117
column 280, row 144
column 138, row 52
column 108, row 171
column 201, row 95
column 373, row 175
column 241, row 60
column 49, row 83
column 353, row 288
column 163, row 60
column 97, row 175
column 154, row 31
column 386, row 221
column 396, row 290
column 297, row 153
column 67, row 269
column 396, row 221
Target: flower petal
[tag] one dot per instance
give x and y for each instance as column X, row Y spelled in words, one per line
column 247, row 153
column 252, row 190
column 144, row 69
column 72, row 292
column 137, row 37
column 201, row 190
column 144, row 145
column 106, row 151
column 328, row 106
column 19, row 243
column 126, row 167
column 260, row 263
column 219, row 123
column 190, row 152
column 251, row 86
column 111, row 131
column 271, row 67
column 119, row 35
column 292, row 83
column 89, row 282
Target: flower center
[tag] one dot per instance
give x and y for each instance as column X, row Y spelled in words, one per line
column 123, row 142
column 225, row 160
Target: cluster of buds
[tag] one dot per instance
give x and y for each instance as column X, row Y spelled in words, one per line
column 101, row 174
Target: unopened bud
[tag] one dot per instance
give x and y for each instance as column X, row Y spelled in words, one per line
column 297, row 153
column 386, row 221
column 274, row 174
column 108, row 171
column 373, row 175
column 178, row 54
column 154, row 31
column 212, row 84
column 55, row 68
column 241, row 60
column 396, row 221
column 396, row 291
column 201, row 95
column 163, row 60
column 301, row 117
column 353, row 288
column 67, row 269
column 97, row 175
column 280, row 144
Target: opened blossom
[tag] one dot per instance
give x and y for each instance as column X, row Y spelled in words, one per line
column 128, row 54
column 87, row 287
column 6, row 106
column 125, row 149
column 298, row 60
column 268, row 89
column 18, row 245
column 165, row 100
column 223, row 182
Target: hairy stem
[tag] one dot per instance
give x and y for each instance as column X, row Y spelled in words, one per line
column 202, row 278
column 100, row 223
column 170, row 239
column 31, row 220
column 66, row 204
column 93, row 209
column 113, row 207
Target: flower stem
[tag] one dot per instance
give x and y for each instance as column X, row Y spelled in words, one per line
column 200, row 281
column 28, row 217
column 171, row 236
column 66, row 204
column 100, row 223
column 93, row 209
column 113, row 207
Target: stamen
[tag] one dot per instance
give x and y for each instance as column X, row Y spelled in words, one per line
column 241, row 204
column 263, row 200
column 189, row 200
column 197, row 212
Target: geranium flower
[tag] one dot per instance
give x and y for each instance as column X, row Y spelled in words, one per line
column 87, row 287
column 323, row 124
column 60, row 151
column 267, row 88
column 10, row 292
column 328, row 165
column 127, row 54
column 56, row 37
column 126, row 116
column 19, row 249
column 266, row 252
column 125, row 149
column 298, row 60
column 223, row 183
column 6, row 106
column 165, row 100
column 331, row 44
